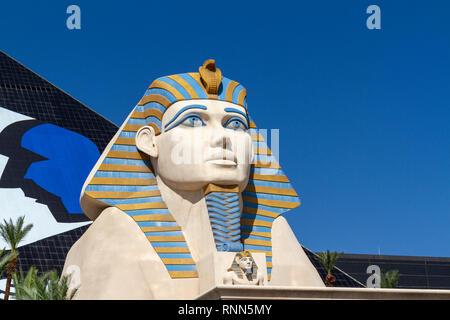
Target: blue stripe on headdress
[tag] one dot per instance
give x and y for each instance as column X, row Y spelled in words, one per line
column 223, row 88
column 236, row 92
column 177, row 86
column 194, row 84
column 161, row 92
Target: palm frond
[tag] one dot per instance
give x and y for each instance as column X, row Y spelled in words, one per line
column 328, row 259
column 389, row 279
column 14, row 233
column 25, row 285
column 45, row 287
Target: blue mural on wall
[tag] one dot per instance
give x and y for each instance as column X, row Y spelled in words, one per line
column 71, row 157
column 49, row 163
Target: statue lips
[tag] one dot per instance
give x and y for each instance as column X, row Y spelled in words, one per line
column 222, row 157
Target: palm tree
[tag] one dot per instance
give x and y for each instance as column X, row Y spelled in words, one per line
column 13, row 234
column 328, row 260
column 5, row 260
column 45, row 287
column 389, row 279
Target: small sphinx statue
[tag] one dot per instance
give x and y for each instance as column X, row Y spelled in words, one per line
column 186, row 183
column 243, row 271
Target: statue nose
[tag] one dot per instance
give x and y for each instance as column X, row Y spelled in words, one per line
column 221, row 140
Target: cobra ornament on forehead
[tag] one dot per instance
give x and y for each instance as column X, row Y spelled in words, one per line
column 124, row 178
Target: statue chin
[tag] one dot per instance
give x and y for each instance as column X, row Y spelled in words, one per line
column 192, row 178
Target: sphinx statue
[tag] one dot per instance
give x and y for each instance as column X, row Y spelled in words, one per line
column 243, row 271
column 185, row 185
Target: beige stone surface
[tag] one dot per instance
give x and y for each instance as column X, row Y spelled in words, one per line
column 309, row 293
column 116, row 261
column 290, row 265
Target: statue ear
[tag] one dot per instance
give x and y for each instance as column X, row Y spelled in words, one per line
column 146, row 141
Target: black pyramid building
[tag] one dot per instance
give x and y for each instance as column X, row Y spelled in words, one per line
column 44, row 136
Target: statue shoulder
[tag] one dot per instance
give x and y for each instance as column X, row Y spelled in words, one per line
column 112, row 245
column 291, row 265
column 284, row 240
column 111, row 228
column 282, row 229
column 279, row 221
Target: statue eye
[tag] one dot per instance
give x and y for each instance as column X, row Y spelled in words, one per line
column 193, row 120
column 235, row 124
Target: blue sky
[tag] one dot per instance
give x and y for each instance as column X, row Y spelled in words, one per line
column 363, row 114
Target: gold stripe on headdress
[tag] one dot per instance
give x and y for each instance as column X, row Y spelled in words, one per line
column 185, row 85
column 268, row 177
column 261, row 212
column 168, row 87
column 136, row 127
column 155, row 98
column 256, row 233
column 157, row 229
column 256, row 223
column 271, row 203
column 242, row 96
column 124, row 168
column 122, row 181
column 183, row 274
column 172, row 249
column 127, row 155
column 229, row 94
column 257, row 242
column 142, row 206
column 122, row 194
column 154, row 217
column 272, row 190
column 147, row 113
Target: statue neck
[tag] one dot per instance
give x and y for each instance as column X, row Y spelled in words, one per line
column 224, row 211
column 182, row 204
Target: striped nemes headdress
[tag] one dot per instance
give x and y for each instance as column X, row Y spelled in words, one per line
column 125, row 177
column 237, row 269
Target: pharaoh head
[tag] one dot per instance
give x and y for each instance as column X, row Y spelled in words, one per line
column 244, row 264
column 200, row 142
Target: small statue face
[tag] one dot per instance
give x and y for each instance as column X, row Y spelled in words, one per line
column 201, row 142
column 245, row 263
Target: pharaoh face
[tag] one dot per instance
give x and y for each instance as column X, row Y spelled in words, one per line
column 201, row 142
column 245, row 263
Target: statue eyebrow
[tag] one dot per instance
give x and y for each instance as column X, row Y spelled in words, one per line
column 236, row 111
column 192, row 106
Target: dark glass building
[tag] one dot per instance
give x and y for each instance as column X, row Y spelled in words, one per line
column 414, row 272
column 39, row 179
